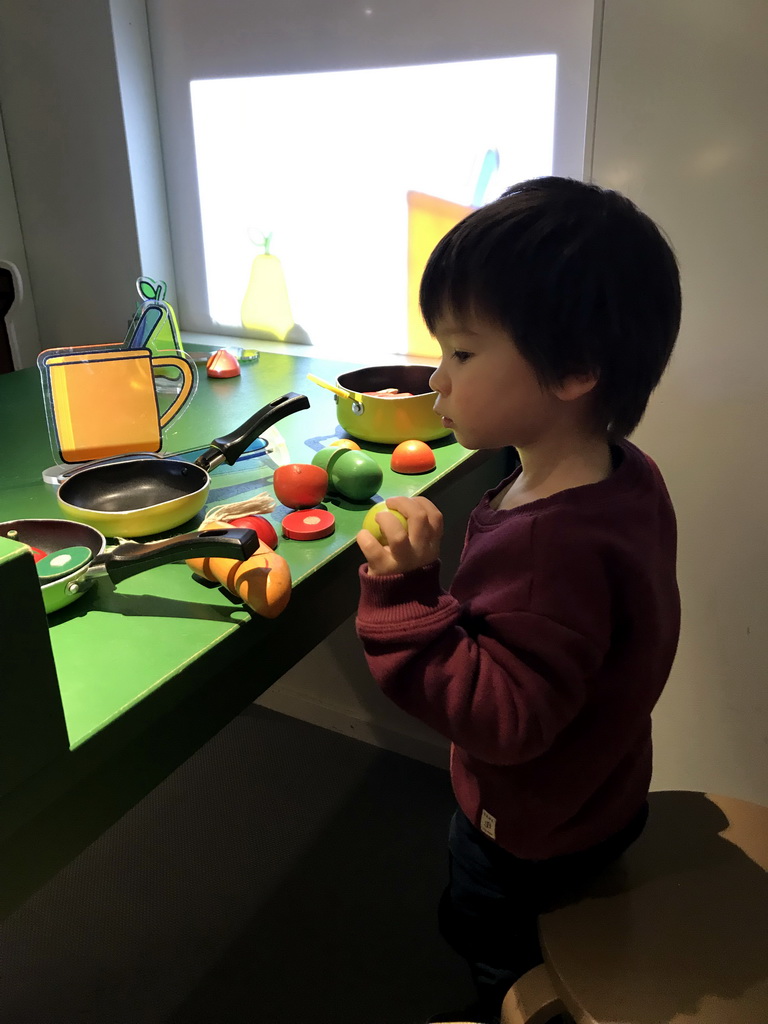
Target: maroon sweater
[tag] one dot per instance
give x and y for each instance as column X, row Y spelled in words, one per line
column 543, row 662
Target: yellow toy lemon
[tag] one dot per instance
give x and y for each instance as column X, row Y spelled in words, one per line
column 369, row 523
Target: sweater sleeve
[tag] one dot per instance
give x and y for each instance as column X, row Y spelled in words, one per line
column 501, row 685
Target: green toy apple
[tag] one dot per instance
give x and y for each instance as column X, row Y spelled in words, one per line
column 355, row 475
column 369, row 523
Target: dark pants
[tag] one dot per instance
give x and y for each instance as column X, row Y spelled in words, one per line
column 489, row 911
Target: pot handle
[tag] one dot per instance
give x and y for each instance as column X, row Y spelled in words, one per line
column 128, row 560
column 231, row 446
column 357, row 400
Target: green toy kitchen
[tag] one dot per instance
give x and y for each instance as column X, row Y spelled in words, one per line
column 112, row 678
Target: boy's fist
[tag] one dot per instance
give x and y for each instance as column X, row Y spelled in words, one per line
column 405, row 546
column 370, row 524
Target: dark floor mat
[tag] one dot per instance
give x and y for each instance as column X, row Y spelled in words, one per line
column 285, row 873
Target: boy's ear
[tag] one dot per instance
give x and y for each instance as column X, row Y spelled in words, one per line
column 575, row 386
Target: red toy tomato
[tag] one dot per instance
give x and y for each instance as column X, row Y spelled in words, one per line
column 265, row 529
column 222, row 364
column 412, row 457
column 300, row 484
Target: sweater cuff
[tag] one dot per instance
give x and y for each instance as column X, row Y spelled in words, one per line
column 399, row 597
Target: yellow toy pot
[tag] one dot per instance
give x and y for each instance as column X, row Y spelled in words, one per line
column 387, row 420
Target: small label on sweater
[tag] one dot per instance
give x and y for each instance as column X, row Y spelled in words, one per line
column 488, row 824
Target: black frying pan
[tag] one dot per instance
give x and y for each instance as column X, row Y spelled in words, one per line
column 148, row 495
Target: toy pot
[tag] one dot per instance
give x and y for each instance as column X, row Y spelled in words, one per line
column 387, row 420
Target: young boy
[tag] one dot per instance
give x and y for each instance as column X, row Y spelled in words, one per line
column 556, row 308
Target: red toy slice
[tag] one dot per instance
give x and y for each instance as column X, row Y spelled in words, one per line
column 310, row 524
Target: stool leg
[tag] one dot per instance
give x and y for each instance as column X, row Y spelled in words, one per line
column 532, row 999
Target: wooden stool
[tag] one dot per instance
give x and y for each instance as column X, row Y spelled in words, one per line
column 676, row 932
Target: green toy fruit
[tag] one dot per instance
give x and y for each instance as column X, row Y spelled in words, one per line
column 355, row 475
column 325, row 459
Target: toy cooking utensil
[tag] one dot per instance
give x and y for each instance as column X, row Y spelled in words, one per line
column 123, row 561
column 148, row 495
column 381, row 418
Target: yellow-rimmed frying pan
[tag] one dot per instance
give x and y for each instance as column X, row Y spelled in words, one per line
column 147, row 495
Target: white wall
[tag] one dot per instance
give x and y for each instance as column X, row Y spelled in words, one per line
column 681, row 127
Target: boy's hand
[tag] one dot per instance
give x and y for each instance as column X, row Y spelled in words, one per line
column 403, row 550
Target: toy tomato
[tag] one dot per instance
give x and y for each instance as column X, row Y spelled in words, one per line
column 265, row 529
column 300, row 485
column 412, row 457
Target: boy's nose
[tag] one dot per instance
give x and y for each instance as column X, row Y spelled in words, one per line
column 436, row 381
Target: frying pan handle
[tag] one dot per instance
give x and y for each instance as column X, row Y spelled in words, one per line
column 230, row 447
column 130, row 559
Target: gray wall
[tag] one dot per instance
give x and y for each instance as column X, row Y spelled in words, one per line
column 21, row 322
column 71, row 160
column 681, row 127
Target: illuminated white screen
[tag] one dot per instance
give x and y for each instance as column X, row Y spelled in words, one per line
column 324, row 162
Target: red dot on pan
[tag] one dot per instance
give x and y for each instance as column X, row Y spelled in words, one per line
column 309, row 524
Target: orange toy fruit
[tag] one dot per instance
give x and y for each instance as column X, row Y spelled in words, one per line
column 345, row 442
column 263, row 581
column 412, row 457
column 200, row 565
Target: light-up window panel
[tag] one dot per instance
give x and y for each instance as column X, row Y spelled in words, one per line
column 353, row 175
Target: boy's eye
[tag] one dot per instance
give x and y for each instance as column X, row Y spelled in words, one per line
column 461, row 356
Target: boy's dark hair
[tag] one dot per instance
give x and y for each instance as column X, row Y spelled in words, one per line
column 580, row 278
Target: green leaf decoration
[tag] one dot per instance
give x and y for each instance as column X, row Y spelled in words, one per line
column 150, row 289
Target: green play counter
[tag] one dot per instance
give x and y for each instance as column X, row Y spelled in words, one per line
column 106, row 697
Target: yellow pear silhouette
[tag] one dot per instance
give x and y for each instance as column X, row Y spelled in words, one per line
column 266, row 308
